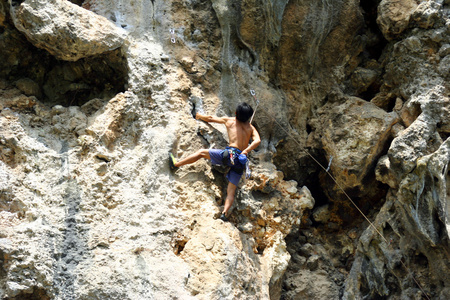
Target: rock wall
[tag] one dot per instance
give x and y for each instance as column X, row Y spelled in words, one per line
column 95, row 93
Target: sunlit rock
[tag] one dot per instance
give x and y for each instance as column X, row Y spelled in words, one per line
column 89, row 208
column 66, row 30
column 355, row 134
column 394, row 16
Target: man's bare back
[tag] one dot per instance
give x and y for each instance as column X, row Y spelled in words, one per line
column 239, row 133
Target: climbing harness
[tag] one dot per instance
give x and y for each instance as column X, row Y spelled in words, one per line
column 172, row 39
column 229, row 155
column 327, row 170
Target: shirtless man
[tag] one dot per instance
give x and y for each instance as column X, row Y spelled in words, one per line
column 240, row 131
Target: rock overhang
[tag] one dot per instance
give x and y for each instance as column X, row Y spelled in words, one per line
column 78, row 62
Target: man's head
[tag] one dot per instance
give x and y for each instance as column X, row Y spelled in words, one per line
column 244, row 112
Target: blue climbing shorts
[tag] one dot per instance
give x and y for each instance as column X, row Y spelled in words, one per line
column 236, row 171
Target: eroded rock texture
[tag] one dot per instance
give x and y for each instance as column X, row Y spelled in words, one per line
column 65, row 30
column 95, row 93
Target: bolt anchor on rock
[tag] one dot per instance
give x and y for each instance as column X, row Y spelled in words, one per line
column 172, row 39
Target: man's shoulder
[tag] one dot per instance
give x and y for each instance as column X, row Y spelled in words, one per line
column 229, row 120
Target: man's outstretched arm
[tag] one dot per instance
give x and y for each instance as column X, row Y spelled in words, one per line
column 256, row 140
column 209, row 119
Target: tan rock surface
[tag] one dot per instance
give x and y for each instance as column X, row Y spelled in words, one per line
column 90, row 210
column 355, row 135
column 394, row 16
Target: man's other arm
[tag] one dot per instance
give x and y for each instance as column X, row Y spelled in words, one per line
column 256, row 140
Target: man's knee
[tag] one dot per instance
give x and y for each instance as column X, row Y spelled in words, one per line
column 204, row 153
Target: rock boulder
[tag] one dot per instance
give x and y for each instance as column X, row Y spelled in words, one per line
column 355, row 134
column 66, row 30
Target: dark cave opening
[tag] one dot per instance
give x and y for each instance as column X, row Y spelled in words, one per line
column 419, row 259
column 391, row 105
column 75, row 83
column 304, row 170
column 179, row 246
column 77, row 2
column 37, row 73
column 308, row 129
column 16, row 2
column 314, row 186
column 366, row 81
column 307, row 172
column 375, row 39
column 371, row 92
column 442, row 133
column 366, row 199
column 36, row 294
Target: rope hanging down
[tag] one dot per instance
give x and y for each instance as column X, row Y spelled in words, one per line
column 257, row 103
column 252, row 92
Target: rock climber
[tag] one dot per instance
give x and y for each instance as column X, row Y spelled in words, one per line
column 240, row 132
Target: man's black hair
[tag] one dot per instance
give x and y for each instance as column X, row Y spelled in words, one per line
column 244, row 112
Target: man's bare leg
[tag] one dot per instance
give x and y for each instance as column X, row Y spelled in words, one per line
column 231, row 190
column 202, row 153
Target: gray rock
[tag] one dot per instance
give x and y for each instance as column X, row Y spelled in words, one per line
column 321, row 214
column 13, row 289
column 394, row 16
column 91, row 209
column 313, row 262
column 444, row 50
column 29, row 87
column 355, row 124
column 66, row 30
column 444, row 66
column 306, row 250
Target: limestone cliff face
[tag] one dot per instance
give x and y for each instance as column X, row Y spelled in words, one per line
column 95, row 93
